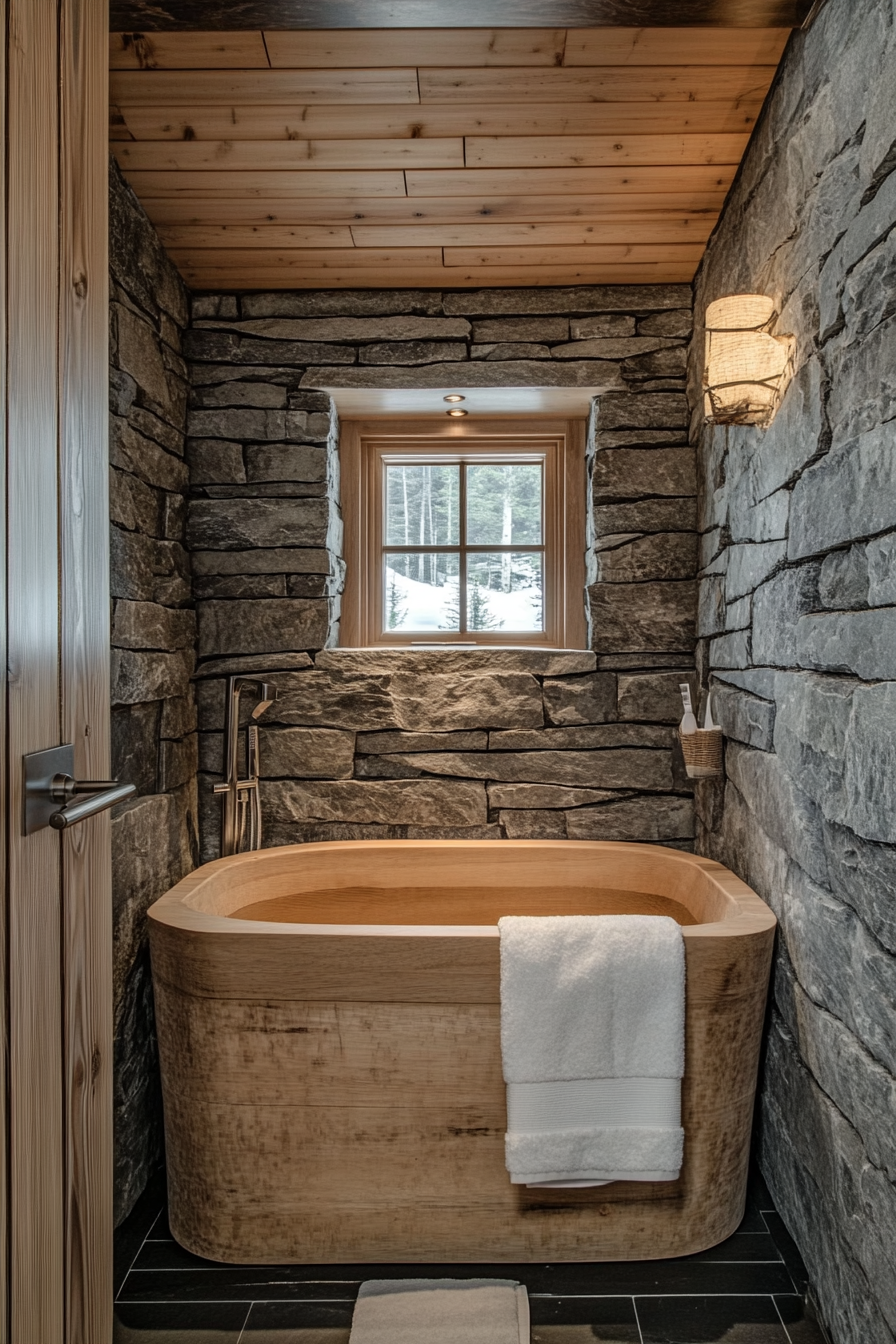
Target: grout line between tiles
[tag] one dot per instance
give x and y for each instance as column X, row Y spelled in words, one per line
column 246, row 1322
column 130, row 1267
column 638, row 1321
column 781, row 1319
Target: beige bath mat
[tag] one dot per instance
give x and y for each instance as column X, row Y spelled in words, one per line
column 441, row 1311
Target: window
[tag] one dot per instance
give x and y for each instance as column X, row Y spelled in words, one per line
column 464, row 534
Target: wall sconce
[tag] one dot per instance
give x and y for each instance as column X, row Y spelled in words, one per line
column 747, row 370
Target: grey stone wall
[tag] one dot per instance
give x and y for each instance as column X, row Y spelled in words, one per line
column 410, row 744
column 798, row 638
column 154, row 741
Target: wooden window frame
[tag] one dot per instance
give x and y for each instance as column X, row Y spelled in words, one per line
column 362, row 446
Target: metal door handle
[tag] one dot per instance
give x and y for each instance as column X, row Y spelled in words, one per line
column 53, row 797
column 101, row 795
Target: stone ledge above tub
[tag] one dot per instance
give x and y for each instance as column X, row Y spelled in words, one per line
column 540, row 662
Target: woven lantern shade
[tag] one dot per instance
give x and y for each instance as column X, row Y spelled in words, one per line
column 747, row 370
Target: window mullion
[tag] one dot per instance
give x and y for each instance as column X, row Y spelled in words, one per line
column 462, row 536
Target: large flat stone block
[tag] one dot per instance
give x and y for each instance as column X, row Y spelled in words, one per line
column 425, row 662
column 622, row 474
column 588, row 699
column 306, row 753
column 147, row 625
column 649, row 617
column 340, row 303
column 401, row 327
column 863, row 642
column 661, row 555
column 138, row 676
column 264, row 625
column 579, row 300
column 602, row 375
column 411, row 802
column 444, row 701
column 849, row 494
column 639, row 819
column 234, row 524
column 643, row 410
column 838, row 738
column 652, row 697
column 611, row 769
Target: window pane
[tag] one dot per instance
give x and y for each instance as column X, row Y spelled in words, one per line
column 504, row 505
column 422, row 505
column 505, row 591
column 421, row 592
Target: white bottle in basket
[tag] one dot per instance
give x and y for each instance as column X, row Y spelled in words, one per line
column 688, row 723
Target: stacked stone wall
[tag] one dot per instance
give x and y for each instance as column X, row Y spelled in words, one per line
column 154, row 741
column 798, row 639
column 408, row 744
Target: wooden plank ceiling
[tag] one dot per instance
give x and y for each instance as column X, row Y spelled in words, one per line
column 448, row 158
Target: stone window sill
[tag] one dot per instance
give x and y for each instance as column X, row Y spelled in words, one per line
column 494, row 657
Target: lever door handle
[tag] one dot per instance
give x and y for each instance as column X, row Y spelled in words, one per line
column 53, row 797
column 100, row 795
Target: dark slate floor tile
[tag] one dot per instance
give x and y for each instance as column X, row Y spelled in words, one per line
column 800, row 1321
column 743, row 1247
column 234, row 1283
column 179, row 1323
column 580, row 1320
column 709, row 1320
column 656, row 1278
column 297, row 1323
column 788, row 1249
column 130, row 1235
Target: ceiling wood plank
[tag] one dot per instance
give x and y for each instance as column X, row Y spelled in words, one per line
column 288, row 155
column 413, row 46
column 264, row 86
column 185, row 51
column 348, row 14
column 599, row 150
column 352, row 210
column 595, row 254
column 568, row 181
column 240, row 275
column 694, row 230
column 673, row 46
column 623, row 84
column 320, row 259
column 190, row 237
column 229, row 186
column 288, row 122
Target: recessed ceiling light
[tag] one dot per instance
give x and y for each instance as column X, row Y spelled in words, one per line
column 456, row 411
column 455, row 396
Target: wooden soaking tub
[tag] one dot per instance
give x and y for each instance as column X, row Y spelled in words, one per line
column 328, row 1022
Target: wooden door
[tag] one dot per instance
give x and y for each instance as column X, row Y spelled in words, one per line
column 57, row 928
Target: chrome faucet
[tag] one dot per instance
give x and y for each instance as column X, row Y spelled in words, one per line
column 242, row 803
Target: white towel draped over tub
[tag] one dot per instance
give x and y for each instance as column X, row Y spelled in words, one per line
column 592, row 1038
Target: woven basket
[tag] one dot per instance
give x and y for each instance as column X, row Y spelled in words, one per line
column 702, row 752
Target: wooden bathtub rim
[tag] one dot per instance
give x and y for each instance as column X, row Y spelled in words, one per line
column 206, row 954
column 750, row 915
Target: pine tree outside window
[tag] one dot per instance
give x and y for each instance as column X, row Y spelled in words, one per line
column 465, row 534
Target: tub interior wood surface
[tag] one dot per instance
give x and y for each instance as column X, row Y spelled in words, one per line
column 453, row 906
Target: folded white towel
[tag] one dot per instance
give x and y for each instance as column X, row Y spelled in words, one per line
column 592, row 1037
column 441, row 1311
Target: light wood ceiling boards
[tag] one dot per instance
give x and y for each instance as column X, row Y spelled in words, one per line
column 448, row 158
